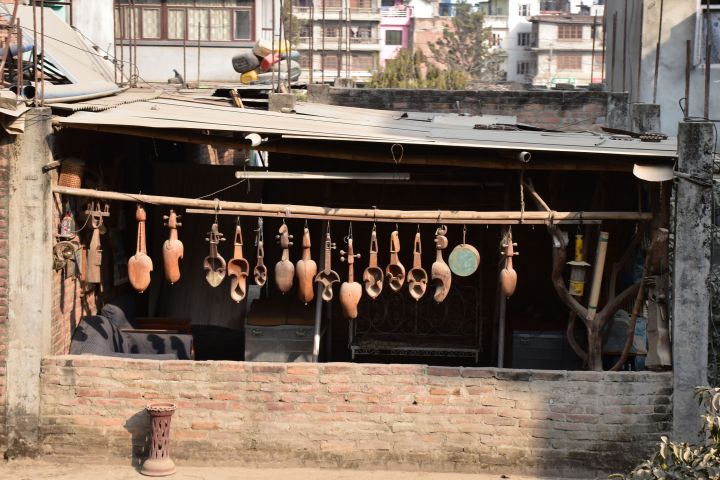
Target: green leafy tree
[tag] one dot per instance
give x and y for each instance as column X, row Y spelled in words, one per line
column 466, row 44
column 412, row 70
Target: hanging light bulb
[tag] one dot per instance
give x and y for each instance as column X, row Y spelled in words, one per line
column 577, row 269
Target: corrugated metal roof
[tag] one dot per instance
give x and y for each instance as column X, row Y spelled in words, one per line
column 320, row 122
column 106, row 103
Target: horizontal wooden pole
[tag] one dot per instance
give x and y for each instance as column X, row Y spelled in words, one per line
column 355, row 214
column 244, row 213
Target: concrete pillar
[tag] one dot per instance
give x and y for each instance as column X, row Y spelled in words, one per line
column 691, row 295
column 281, row 102
column 617, row 111
column 29, row 281
column 645, row 117
column 318, row 93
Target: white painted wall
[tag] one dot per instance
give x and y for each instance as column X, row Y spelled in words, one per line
column 94, row 18
column 156, row 63
column 679, row 21
column 518, row 24
column 423, row 8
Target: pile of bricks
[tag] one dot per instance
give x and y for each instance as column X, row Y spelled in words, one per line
column 356, row 415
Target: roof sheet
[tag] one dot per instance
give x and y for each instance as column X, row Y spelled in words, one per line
column 320, row 122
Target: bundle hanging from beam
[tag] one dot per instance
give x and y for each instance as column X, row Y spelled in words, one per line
column 356, row 214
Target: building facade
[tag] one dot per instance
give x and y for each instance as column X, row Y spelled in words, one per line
column 566, row 48
column 339, row 38
column 632, row 54
column 197, row 37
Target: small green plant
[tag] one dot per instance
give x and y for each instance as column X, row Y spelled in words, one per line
column 683, row 461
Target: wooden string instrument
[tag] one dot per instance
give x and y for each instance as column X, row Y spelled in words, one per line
column 373, row 275
column 94, row 253
column 140, row 265
column 395, row 272
column 305, row 270
column 173, row 249
column 350, row 291
column 327, row 275
column 214, row 264
column 260, row 271
column 417, row 276
column 238, row 269
column 441, row 275
column 284, row 269
column 508, row 275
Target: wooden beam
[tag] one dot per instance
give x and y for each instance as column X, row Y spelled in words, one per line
column 356, row 214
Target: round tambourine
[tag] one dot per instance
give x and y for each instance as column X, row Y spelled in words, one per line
column 464, row 260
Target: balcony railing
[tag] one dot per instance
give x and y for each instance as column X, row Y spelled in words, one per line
column 334, row 40
column 392, row 12
column 334, row 8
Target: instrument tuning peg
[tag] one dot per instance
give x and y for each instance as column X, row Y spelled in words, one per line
column 514, row 244
column 333, row 246
column 179, row 224
column 178, row 217
column 165, row 217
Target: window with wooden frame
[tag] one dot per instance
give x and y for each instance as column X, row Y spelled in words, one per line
column 360, row 4
column 570, row 31
column 569, row 62
column 206, row 20
column 523, row 39
column 305, row 57
column 393, row 37
column 329, row 5
column 305, row 31
column 708, row 14
column 363, row 62
column 331, row 61
column 523, row 68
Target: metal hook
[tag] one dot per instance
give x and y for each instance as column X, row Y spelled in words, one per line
column 374, row 216
column 418, row 228
column 237, row 221
column 464, row 233
column 217, row 209
column 306, row 223
column 349, row 236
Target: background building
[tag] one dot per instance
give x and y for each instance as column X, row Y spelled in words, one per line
column 566, row 48
column 355, row 20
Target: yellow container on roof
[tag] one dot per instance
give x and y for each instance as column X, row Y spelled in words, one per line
column 248, row 77
column 263, row 48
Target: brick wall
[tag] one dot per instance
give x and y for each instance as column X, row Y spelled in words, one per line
column 356, row 415
column 429, row 30
column 70, row 301
column 6, row 147
column 577, row 110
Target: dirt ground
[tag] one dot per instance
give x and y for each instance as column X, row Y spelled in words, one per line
column 35, row 470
